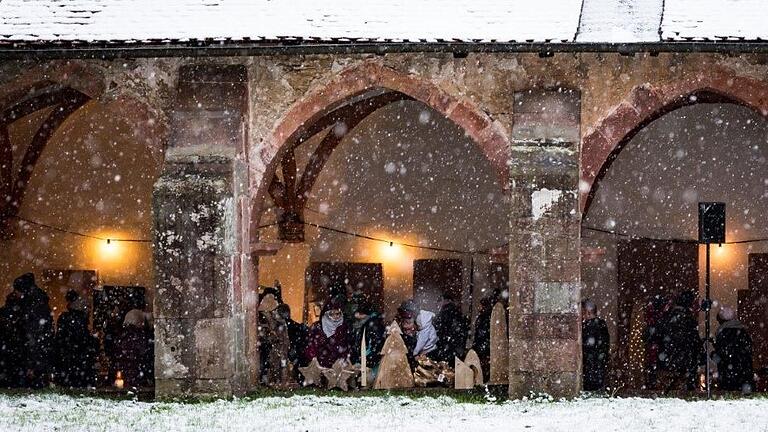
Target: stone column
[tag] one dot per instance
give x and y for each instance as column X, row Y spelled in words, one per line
column 199, row 314
column 544, row 323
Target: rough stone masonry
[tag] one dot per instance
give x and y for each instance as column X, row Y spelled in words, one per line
column 548, row 125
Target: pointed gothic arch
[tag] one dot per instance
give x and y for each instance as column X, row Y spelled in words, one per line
column 646, row 103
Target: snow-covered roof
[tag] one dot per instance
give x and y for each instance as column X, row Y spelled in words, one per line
column 620, row 20
column 715, row 19
column 137, row 21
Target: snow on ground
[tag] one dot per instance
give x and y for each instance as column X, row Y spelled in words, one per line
column 327, row 413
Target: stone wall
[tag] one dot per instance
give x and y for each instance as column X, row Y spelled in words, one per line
column 194, row 223
column 554, row 158
column 202, row 344
column 549, row 163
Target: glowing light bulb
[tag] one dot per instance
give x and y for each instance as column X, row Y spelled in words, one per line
column 391, row 252
column 109, row 249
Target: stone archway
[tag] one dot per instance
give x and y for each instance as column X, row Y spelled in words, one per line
column 348, row 88
column 354, row 81
column 646, row 103
column 602, row 145
column 65, row 86
column 58, row 106
column 210, row 346
column 547, row 326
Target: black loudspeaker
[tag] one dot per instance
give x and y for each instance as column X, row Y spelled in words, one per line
column 711, row 222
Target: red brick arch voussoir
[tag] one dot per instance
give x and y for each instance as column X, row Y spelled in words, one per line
column 647, row 102
column 478, row 125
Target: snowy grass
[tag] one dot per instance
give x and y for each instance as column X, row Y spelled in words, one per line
column 57, row 412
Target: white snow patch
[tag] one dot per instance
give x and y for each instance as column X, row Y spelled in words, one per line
column 620, row 21
column 173, row 368
column 324, row 413
column 379, row 20
column 715, row 19
column 206, row 242
column 543, row 199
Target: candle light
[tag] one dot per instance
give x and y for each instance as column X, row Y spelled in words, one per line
column 119, row 382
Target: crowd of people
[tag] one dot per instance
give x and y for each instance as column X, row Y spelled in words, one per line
column 674, row 351
column 348, row 317
column 36, row 352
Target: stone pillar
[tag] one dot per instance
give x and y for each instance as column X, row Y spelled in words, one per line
column 544, row 323
column 199, row 313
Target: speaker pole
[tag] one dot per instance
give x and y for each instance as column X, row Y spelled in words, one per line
column 707, row 330
column 711, row 230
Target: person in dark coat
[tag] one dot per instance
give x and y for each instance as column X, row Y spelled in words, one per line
column 274, row 344
column 11, row 368
column 36, row 327
column 452, row 331
column 297, row 339
column 272, row 336
column 297, row 333
column 681, row 349
column 328, row 338
column 133, row 347
column 595, row 346
column 733, row 353
column 113, row 326
column 655, row 311
column 481, row 343
column 367, row 320
column 76, row 347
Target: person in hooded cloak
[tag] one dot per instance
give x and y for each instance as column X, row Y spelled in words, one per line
column 328, row 338
column 11, row 368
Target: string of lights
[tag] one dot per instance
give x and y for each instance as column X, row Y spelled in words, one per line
column 319, row 226
column 79, row 234
column 383, row 240
column 639, row 237
column 393, row 242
